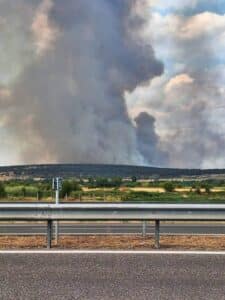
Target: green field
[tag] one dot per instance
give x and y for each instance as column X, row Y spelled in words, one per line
column 115, row 190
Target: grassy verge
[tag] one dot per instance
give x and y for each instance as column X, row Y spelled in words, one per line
column 175, row 197
column 130, row 196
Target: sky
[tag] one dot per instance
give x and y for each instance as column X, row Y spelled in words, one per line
column 138, row 82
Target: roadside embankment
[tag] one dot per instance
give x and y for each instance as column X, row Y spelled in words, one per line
column 116, row 242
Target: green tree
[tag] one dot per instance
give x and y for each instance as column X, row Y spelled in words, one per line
column 134, row 179
column 23, row 191
column 169, row 186
column 2, row 190
column 198, row 190
column 39, row 194
column 116, row 181
column 102, row 182
column 91, row 181
column 68, row 187
column 207, row 187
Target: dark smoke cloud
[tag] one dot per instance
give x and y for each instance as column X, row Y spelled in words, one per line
column 148, row 140
column 67, row 103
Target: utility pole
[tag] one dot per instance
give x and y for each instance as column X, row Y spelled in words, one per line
column 57, row 186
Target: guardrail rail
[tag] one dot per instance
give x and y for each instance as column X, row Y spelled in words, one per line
column 112, row 212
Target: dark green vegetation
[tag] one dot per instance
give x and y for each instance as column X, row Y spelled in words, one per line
column 94, row 170
column 104, row 182
column 175, row 197
column 116, row 189
column 169, row 187
column 2, row 191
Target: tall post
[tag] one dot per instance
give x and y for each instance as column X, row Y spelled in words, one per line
column 56, row 222
column 157, row 234
column 144, row 228
column 49, row 234
column 56, row 186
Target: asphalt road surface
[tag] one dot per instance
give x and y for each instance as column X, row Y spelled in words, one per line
column 111, row 276
column 113, row 228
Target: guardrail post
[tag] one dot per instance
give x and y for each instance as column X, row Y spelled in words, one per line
column 144, row 228
column 49, row 234
column 157, row 233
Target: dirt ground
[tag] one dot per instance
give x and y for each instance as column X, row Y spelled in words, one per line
column 116, row 242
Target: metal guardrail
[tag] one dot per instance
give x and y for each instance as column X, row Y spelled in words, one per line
column 111, row 211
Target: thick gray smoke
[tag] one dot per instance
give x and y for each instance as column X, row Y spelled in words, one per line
column 66, row 102
column 148, row 140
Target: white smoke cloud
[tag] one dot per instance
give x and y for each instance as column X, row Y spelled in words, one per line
column 44, row 32
column 187, row 101
column 178, row 81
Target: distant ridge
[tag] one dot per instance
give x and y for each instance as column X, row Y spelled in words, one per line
column 85, row 170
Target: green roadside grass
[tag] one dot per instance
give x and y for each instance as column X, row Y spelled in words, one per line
column 124, row 197
column 175, row 197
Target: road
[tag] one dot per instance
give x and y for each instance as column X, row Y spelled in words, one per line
column 113, row 228
column 111, row 276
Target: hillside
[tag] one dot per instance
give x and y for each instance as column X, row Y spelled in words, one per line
column 85, row 170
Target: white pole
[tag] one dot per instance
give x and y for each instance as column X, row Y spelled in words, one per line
column 57, row 202
column 57, row 197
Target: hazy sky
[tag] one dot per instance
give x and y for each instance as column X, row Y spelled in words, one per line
column 113, row 81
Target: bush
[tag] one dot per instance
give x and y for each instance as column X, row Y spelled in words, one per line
column 101, row 182
column 169, row 187
column 39, row 194
column 107, row 182
column 207, row 187
column 23, row 191
column 134, row 179
column 68, row 187
column 198, row 191
column 116, row 182
column 2, row 191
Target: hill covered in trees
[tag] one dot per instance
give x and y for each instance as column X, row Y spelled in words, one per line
column 97, row 170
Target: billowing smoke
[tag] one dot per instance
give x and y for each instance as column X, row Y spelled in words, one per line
column 148, row 140
column 63, row 100
column 187, row 100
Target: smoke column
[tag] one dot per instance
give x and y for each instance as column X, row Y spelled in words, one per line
column 72, row 63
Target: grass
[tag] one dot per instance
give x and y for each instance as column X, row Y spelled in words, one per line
column 130, row 196
column 18, row 190
column 27, row 191
column 175, row 197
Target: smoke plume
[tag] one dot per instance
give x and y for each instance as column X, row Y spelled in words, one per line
column 63, row 100
column 187, row 100
column 148, row 140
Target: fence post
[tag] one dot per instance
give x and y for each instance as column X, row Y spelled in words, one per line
column 144, row 228
column 49, row 234
column 157, row 234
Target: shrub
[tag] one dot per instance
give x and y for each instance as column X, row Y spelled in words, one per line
column 169, row 187
column 68, row 187
column 23, row 191
column 2, row 191
column 39, row 194
column 134, row 179
column 207, row 187
column 198, row 190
